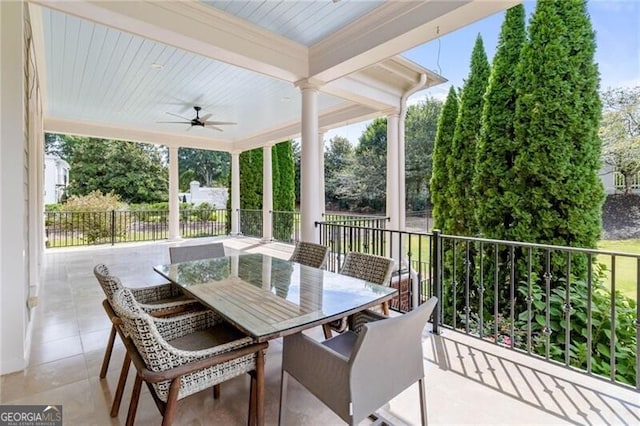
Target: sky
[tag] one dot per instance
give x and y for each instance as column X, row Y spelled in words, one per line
column 617, row 27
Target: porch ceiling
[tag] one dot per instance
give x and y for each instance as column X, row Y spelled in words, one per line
column 239, row 61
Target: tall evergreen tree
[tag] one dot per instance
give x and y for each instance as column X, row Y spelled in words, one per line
column 462, row 158
column 440, row 174
column 286, row 198
column 556, row 125
column 496, row 149
column 251, row 179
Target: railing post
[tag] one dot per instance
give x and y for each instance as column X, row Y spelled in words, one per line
column 436, row 271
column 113, row 227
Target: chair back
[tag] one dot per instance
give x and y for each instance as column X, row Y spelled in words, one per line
column 198, row 252
column 110, row 284
column 139, row 327
column 368, row 267
column 310, row 254
column 387, row 358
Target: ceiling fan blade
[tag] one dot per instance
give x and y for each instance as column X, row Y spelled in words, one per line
column 205, row 117
column 174, row 122
column 179, row 116
column 218, row 123
column 215, row 128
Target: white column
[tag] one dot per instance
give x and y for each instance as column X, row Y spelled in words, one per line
column 393, row 181
column 235, row 193
column 13, row 226
column 402, row 190
column 321, row 173
column 309, row 165
column 266, row 272
column 174, row 200
column 267, row 194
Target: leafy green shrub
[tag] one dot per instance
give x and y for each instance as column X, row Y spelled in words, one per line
column 91, row 215
column 623, row 336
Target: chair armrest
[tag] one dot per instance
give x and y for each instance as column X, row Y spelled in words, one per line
column 159, row 376
column 180, row 325
column 155, row 293
column 323, row 371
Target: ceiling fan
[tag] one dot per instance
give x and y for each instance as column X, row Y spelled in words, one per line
column 198, row 121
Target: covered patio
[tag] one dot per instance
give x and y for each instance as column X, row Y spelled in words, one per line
column 468, row 381
column 277, row 70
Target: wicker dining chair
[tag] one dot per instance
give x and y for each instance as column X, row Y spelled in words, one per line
column 158, row 300
column 368, row 267
column 310, row 254
column 179, row 254
column 185, row 354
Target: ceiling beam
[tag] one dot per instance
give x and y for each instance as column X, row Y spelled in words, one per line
column 103, row 131
column 393, row 28
column 328, row 119
column 200, row 29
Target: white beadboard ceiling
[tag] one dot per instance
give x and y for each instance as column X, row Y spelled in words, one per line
column 96, row 73
column 114, row 69
column 305, row 22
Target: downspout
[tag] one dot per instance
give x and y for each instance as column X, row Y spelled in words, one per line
column 401, row 179
column 401, row 169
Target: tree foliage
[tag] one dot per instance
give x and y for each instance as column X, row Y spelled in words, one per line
column 440, row 207
column 284, row 197
column 370, row 168
column 556, row 123
column 251, row 179
column 421, row 126
column 133, row 171
column 206, row 166
column 338, row 170
column 620, row 132
column 496, row 149
column 462, row 158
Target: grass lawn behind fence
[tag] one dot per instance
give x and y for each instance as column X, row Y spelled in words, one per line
column 626, row 268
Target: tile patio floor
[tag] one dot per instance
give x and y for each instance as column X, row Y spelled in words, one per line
column 468, row 381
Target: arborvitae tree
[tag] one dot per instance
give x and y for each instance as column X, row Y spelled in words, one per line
column 441, row 151
column 283, row 190
column 276, row 179
column 251, row 179
column 556, row 127
column 493, row 181
column 286, row 198
column 462, row 157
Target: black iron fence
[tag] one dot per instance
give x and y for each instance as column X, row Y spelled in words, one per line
column 285, row 225
column 64, row 229
column 570, row 306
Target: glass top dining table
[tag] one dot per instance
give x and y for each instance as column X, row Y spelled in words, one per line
column 267, row 297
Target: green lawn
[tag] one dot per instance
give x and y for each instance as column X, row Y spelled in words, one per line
column 626, row 268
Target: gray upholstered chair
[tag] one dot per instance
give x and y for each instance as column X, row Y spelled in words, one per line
column 368, row 267
column 157, row 300
column 196, row 252
column 356, row 374
column 310, row 254
column 185, row 354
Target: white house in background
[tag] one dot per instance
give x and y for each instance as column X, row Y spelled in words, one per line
column 197, row 194
column 613, row 181
column 56, row 178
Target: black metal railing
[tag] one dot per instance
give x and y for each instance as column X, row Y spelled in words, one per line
column 251, row 223
column 286, row 226
column 570, row 306
column 65, row 229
